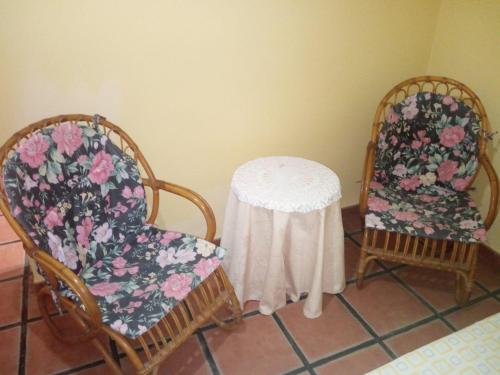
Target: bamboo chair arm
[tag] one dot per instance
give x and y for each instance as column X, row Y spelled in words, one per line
column 494, row 187
column 367, row 177
column 192, row 196
column 55, row 271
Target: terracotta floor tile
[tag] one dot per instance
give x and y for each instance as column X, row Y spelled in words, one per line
column 46, row 355
column 6, row 232
column 257, row 346
column 385, row 304
column 357, row 363
column 473, row 313
column 351, row 256
column 10, row 307
column 9, row 350
column 186, row 360
column 488, row 269
column 335, row 330
column 417, row 337
column 11, row 260
column 437, row 287
column 351, row 219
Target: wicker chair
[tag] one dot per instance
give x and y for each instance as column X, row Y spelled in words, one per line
column 74, row 192
column 427, row 144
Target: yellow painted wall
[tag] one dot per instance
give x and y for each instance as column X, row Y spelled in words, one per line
column 204, row 86
column 467, row 48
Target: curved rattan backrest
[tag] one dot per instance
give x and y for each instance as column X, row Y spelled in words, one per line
column 113, row 132
column 439, row 85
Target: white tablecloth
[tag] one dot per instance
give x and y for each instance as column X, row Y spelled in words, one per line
column 287, row 251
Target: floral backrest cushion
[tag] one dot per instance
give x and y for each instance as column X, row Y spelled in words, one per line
column 75, row 192
column 428, row 139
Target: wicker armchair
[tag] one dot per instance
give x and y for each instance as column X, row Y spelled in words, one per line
column 74, row 190
column 427, row 144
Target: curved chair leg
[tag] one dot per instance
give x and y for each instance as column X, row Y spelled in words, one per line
column 45, row 301
column 233, row 304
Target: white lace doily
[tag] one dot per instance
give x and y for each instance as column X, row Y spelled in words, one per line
column 286, row 183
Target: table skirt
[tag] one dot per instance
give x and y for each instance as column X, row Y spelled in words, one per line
column 272, row 254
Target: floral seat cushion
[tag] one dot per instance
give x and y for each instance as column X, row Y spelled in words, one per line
column 143, row 279
column 426, row 157
column 81, row 199
column 437, row 213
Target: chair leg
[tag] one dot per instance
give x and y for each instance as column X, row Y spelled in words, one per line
column 233, row 304
column 360, row 274
column 463, row 288
column 113, row 366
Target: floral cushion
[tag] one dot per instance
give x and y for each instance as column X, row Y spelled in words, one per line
column 81, row 199
column 437, row 213
column 427, row 154
column 74, row 192
column 428, row 139
column 143, row 279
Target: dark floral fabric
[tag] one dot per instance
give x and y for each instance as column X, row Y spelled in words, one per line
column 81, row 199
column 75, row 193
column 140, row 281
column 428, row 139
column 437, row 213
column 426, row 157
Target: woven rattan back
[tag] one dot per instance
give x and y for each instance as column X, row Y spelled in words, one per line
column 438, row 85
column 113, row 132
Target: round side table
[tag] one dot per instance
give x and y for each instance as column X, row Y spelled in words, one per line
column 283, row 229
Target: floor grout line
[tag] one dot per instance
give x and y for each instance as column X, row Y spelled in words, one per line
column 422, row 300
column 9, row 326
column 9, row 242
column 24, row 324
column 344, row 352
column 295, row 346
column 365, row 325
column 13, row 277
column 82, row 367
column 207, row 353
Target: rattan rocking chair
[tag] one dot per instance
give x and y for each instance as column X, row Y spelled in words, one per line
column 427, row 144
column 72, row 187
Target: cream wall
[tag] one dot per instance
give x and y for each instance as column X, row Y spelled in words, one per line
column 467, row 48
column 204, row 86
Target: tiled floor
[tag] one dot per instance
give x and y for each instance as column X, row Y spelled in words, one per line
column 399, row 309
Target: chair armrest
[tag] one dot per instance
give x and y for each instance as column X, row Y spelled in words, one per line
column 493, row 179
column 88, row 310
column 192, row 196
column 367, row 178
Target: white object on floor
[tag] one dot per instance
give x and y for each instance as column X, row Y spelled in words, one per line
column 472, row 350
column 283, row 229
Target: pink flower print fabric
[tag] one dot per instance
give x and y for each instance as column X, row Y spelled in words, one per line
column 81, row 199
column 431, row 138
column 138, row 283
column 426, row 157
column 66, row 181
column 437, row 214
